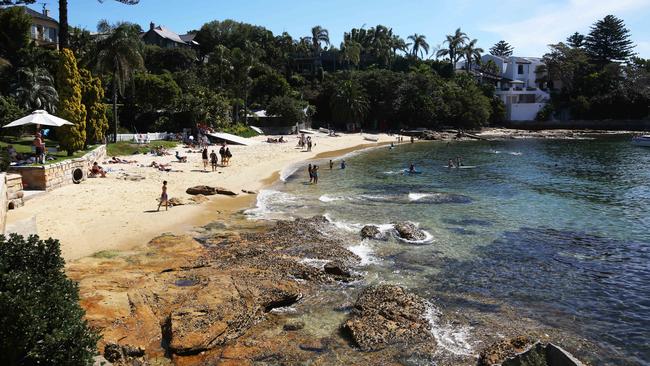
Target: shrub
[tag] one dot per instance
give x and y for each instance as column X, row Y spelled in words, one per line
column 41, row 321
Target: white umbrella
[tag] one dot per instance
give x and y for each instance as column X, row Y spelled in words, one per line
column 39, row 117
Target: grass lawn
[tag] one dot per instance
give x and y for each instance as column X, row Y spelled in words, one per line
column 124, row 148
column 23, row 145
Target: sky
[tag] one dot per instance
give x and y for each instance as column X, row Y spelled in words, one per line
column 528, row 25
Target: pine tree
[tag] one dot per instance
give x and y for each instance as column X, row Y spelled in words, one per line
column 92, row 97
column 501, row 48
column 576, row 40
column 71, row 138
column 609, row 41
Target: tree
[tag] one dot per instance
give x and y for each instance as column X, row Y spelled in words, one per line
column 350, row 52
column 455, row 43
column 14, row 32
column 202, row 105
column 419, row 44
column 502, row 49
column 93, row 99
column 289, row 109
column 349, row 103
column 609, row 41
column 318, row 35
column 10, row 110
column 34, row 89
column 472, row 53
column 156, row 92
column 467, row 105
column 119, row 54
column 68, row 80
column 41, row 322
column 576, row 40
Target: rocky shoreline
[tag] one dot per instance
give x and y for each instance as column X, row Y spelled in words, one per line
column 240, row 297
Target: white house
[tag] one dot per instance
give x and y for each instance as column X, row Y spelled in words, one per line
column 519, row 86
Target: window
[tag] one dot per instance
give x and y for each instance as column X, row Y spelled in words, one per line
column 520, row 69
column 53, row 37
column 34, row 32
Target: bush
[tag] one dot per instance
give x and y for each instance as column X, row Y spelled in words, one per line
column 545, row 114
column 240, row 130
column 41, row 321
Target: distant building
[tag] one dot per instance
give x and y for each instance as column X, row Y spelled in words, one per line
column 165, row 38
column 45, row 29
column 519, row 84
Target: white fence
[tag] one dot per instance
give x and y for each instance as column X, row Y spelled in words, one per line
column 140, row 137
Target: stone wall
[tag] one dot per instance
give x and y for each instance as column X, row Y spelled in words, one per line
column 51, row 176
column 3, row 202
column 14, row 191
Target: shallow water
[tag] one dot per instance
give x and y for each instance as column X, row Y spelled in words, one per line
column 557, row 229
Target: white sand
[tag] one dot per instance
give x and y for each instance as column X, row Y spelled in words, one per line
column 116, row 214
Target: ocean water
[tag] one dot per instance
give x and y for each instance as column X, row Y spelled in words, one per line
column 556, row 229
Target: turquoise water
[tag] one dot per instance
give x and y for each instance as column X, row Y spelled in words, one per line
column 557, row 229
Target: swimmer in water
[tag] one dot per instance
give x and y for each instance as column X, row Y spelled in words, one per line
column 450, row 164
column 411, row 168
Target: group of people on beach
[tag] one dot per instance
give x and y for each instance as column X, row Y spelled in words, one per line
column 212, row 158
column 305, row 142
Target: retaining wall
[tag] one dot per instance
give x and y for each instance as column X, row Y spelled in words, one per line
column 51, row 176
column 624, row 125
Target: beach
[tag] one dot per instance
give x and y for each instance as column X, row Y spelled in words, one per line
column 118, row 212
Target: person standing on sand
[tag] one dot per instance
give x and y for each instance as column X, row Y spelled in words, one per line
column 228, row 155
column 204, row 156
column 214, row 160
column 163, row 197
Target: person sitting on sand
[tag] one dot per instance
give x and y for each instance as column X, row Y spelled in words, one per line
column 163, row 197
column 181, row 159
column 213, row 160
column 97, row 170
column 281, row 140
column 161, row 167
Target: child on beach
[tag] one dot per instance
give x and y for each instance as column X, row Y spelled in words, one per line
column 163, row 197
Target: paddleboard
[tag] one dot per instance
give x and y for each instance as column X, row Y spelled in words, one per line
column 406, row 171
column 462, row 167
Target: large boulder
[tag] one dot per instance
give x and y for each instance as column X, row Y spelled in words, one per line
column 408, row 231
column 225, row 191
column 386, row 315
column 370, row 232
column 203, row 190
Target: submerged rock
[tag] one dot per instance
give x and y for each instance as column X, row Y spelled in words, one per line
column 520, row 351
column 336, row 269
column 386, row 315
column 408, row 231
column 370, row 232
column 293, row 325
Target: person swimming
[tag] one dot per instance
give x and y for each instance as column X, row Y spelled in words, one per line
column 411, row 168
column 392, row 146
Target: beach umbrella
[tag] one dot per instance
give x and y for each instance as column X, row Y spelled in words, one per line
column 39, row 117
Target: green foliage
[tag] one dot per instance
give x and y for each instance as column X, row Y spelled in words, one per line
column 546, row 113
column 14, row 32
column 349, row 103
column 501, row 48
column 158, row 60
column 239, row 129
column 71, row 138
column 609, row 41
column 468, row 106
column 41, row 321
column 125, row 148
column 498, row 113
column 34, row 89
column 288, row 108
column 93, row 99
column 156, row 91
column 576, row 40
column 419, row 100
column 267, row 84
column 10, row 111
column 202, row 105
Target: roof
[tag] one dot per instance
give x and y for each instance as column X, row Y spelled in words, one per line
column 187, row 38
column 521, row 60
column 168, row 34
column 35, row 14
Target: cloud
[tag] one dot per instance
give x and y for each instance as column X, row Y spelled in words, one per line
column 553, row 23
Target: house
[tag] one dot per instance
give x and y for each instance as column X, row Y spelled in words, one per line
column 519, row 83
column 45, row 29
column 165, row 38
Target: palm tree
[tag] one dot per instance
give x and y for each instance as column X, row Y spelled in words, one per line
column 319, row 35
column 34, row 89
column 120, row 54
column 419, row 45
column 455, row 43
column 349, row 103
column 351, row 52
column 472, row 53
column 63, row 19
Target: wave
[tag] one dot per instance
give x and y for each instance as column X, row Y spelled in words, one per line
column 266, row 199
column 451, row 338
column 515, row 153
column 364, row 251
column 327, row 198
column 418, row 196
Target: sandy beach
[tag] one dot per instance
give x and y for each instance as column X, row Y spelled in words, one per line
column 118, row 212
